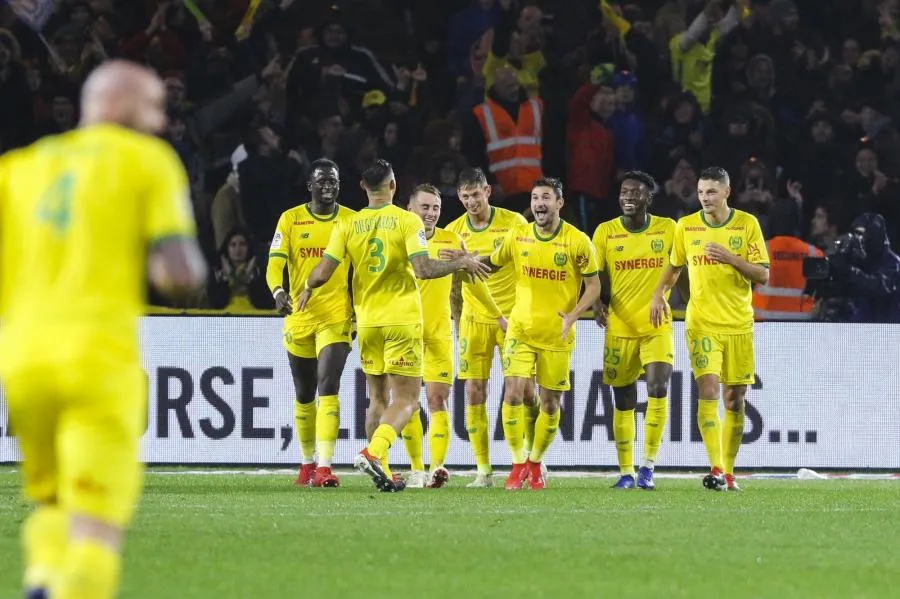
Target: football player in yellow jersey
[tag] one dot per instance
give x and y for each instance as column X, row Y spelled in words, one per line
column 387, row 248
column 552, row 259
column 632, row 251
column 317, row 340
column 725, row 254
column 483, row 229
column 425, row 202
column 80, row 213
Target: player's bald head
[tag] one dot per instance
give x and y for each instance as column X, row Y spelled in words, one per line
column 124, row 93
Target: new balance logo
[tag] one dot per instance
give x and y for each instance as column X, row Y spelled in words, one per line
column 444, row 375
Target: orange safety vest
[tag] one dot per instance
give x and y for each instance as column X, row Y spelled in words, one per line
column 782, row 298
column 513, row 148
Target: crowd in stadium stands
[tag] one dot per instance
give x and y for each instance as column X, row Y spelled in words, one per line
column 798, row 99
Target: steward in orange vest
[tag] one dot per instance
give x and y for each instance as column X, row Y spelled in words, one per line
column 510, row 127
column 782, row 298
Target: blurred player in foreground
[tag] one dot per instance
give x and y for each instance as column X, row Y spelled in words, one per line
column 633, row 250
column 387, row 248
column 317, row 339
column 80, row 215
column 725, row 253
column 438, row 340
column 483, row 229
column 551, row 260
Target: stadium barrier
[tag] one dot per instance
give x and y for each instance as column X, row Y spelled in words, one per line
column 221, row 393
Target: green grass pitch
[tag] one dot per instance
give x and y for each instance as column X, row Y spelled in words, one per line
column 243, row 536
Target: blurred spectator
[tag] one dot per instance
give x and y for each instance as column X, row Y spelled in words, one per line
column 591, row 154
column 226, row 211
column 16, row 112
column 465, row 31
column 679, row 194
column 518, row 45
column 825, row 227
column 237, row 283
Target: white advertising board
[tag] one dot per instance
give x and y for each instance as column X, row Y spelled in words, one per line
column 221, row 393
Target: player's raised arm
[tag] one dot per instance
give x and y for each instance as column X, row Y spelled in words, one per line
column 756, row 267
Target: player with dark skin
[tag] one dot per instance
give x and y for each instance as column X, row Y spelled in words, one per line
column 635, row 199
column 322, row 373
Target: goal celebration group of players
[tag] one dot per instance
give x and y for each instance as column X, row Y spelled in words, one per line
column 519, row 288
column 85, row 215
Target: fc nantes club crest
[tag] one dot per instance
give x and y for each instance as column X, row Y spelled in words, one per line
column 735, row 242
column 498, row 242
column 656, row 245
column 560, row 259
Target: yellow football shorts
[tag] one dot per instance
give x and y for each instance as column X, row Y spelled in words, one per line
column 477, row 341
column 391, row 350
column 438, row 359
column 79, row 427
column 550, row 367
column 307, row 341
column 624, row 358
column 730, row 357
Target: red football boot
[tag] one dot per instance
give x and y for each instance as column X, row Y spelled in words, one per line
column 536, row 480
column 325, row 478
column 516, row 477
column 305, row 475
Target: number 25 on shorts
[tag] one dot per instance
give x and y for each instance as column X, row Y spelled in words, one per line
column 376, row 252
column 612, row 356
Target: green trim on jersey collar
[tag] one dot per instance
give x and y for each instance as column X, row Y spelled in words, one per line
column 370, row 207
column 484, row 228
column 641, row 230
column 553, row 236
column 323, row 219
column 712, row 226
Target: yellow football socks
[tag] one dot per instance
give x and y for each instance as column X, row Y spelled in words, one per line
column 514, row 430
column 45, row 535
column 382, row 439
column 477, row 425
column 305, row 423
column 711, row 430
column 732, row 434
column 531, row 414
column 654, row 424
column 413, row 435
column 624, row 431
column 91, row 571
column 328, row 422
column 545, row 428
column 439, row 438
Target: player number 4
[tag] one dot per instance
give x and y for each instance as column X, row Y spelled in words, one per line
column 55, row 205
column 376, row 252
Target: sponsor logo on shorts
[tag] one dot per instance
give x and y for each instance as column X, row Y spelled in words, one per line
column 702, row 361
column 612, row 373
column 405, row 362
column 463, row 365
column 656, row 245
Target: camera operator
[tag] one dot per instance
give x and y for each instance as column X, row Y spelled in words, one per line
column 859, row 278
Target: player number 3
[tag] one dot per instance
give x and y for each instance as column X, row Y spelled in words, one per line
column 376, row 252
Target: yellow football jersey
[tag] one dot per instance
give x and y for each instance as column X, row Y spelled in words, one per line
column 78, row 213
column 436, row 292
column 721, row 297
column 300, row 239
column 501, row 284
column 549, row 273
column 379, row 243
column 634, row 261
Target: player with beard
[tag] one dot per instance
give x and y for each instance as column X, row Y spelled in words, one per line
column 633, row 250
column 551, row 259
column 317, row 339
